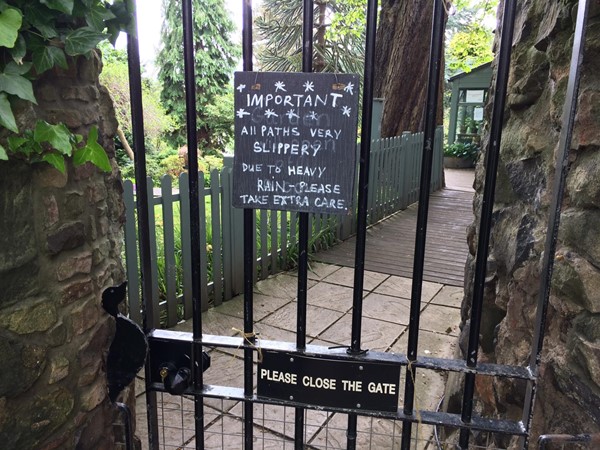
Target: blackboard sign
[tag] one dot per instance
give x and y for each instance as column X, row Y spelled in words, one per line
column 295, row 141
column 316, row 381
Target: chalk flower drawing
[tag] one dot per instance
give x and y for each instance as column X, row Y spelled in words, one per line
column 346, row 111
column 270, row 113
column 241, row 113
column 308, row 86
column 280, row 85
column 313, row 116
column 349, row 88
column 241, row 87
column 291, row 114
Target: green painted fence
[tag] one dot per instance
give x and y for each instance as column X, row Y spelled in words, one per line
column 393, row 185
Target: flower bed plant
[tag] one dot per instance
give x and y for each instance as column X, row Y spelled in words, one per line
column 462, row 150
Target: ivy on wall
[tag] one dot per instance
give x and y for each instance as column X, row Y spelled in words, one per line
column 39, row 35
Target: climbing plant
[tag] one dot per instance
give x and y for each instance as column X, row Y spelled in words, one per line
column 37, row 36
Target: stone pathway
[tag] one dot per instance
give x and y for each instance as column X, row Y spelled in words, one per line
column 460, row 179
column 385, row 311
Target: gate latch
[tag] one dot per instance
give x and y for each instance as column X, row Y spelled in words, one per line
column 177, row 378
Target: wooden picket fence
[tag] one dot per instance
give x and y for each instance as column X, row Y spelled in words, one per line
column 393, row 185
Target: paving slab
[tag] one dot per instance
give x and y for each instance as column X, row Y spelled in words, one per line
column 345, row 277
column 441, row 319
column 449, row 296
column 272, row 333
column 330, row 296
column 387, row 308
column 225, row 370
column 317, row 319
column 376, row 334
column 318, row 271
column 401, row 287
column 263, row 306
column 282, row 285
column 213, row 322
column 431, row 344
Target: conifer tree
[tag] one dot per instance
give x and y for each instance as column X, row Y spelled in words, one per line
column 215, row 58
column 339, row 31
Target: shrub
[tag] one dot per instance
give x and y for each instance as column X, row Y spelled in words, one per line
column 462, row 150
column 173, row 166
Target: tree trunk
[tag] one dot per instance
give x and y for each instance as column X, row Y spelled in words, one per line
column 126, row 145
column 401, row 64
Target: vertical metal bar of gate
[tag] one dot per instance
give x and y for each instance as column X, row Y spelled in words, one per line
column 249, row 258
column 433, row 88
column 303, row 224
column 562, row 164
column 363, row 198
column 485, row 225
column 192, row 144
column 139, row 148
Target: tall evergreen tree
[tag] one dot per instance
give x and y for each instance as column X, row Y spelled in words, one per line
column 215, row 58
column 469, row 36
column 339, row 32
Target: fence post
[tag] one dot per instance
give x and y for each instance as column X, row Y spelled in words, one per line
column 236, row 238
column 215, row 224
column 170, row 269
column 186, row 236
column 438, row 158
column 154, row 268
column 133, row 276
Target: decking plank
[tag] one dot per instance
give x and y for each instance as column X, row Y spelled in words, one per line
column 390, row 243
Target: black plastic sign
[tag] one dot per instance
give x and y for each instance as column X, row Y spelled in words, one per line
column 321, row 382
column 295, row 141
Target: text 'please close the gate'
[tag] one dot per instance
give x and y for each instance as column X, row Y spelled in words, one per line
column 324, row 382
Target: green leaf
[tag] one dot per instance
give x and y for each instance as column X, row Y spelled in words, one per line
column 96, row 16
column 82, row 40
column 123, row 21
column 15, row 142
column 92, row 152
column 17, row 85
column 40, row 19
column 7, row 118
column 19, row 50
column 12, row 68
column 65, row 6
column 56, row 160
column 10, row 23
column 3, row 154
column 56, row 135
column 45, row 58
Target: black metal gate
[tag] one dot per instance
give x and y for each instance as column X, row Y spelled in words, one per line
column 176, row 361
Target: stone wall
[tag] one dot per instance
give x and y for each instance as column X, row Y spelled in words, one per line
column 568, row 399
column 60, row 247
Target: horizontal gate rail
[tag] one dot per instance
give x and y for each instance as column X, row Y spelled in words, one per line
column 561, row 439
column 430, row 363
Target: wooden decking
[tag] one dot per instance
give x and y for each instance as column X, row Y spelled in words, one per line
column 391, row 243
